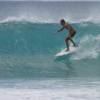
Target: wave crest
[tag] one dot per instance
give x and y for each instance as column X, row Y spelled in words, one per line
column 36, row 19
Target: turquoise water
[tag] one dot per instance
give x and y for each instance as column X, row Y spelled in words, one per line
column 27, row 50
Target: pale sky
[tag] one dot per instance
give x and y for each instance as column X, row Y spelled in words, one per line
column 49, row 0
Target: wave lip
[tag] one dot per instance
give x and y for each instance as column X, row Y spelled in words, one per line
column 32, row 19
column 42, row 19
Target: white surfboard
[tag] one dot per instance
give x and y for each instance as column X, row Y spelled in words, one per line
column 64, row 52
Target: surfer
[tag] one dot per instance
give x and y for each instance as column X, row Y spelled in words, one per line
column 71, row 34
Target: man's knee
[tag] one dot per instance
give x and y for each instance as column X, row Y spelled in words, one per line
column 67, row 39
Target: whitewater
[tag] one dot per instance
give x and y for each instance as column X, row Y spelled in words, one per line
column 28, row 44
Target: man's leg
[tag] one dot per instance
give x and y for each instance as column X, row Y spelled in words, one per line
column 67, row 44
column 72, row 41
column 71, row 35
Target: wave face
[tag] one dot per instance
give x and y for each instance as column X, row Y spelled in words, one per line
column 49, row 12
column 27, row 50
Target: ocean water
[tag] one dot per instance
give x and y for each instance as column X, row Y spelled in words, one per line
column 29, row 69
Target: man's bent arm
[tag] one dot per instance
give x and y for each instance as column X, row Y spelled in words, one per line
column 61, row 29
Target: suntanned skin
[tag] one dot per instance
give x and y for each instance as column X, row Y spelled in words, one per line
column 71, row 34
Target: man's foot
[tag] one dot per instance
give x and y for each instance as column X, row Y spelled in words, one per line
column 75, row 45
column 67, row 49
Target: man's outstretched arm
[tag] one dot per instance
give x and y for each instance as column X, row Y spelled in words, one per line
column 61, row 29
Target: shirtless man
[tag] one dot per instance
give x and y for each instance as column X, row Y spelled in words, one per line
column 71, row 34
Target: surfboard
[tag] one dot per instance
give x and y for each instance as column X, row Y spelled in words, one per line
column 64, row 52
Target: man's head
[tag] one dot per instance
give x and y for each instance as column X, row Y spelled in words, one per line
column 62, row 22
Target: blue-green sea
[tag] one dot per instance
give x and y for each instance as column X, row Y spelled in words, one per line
column 29, row 69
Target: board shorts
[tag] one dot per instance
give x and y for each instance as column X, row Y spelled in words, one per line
column 72, row 33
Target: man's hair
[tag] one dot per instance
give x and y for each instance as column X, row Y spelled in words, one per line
column 62, row 21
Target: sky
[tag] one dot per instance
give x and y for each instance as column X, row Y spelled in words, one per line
column 49, row 0
column 50, row 11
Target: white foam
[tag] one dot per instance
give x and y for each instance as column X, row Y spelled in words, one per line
column 48, row 19
column 49, row 94
column 89, row 47
column 34, row 19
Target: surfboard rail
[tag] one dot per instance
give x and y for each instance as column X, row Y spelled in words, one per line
column 64, row 52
